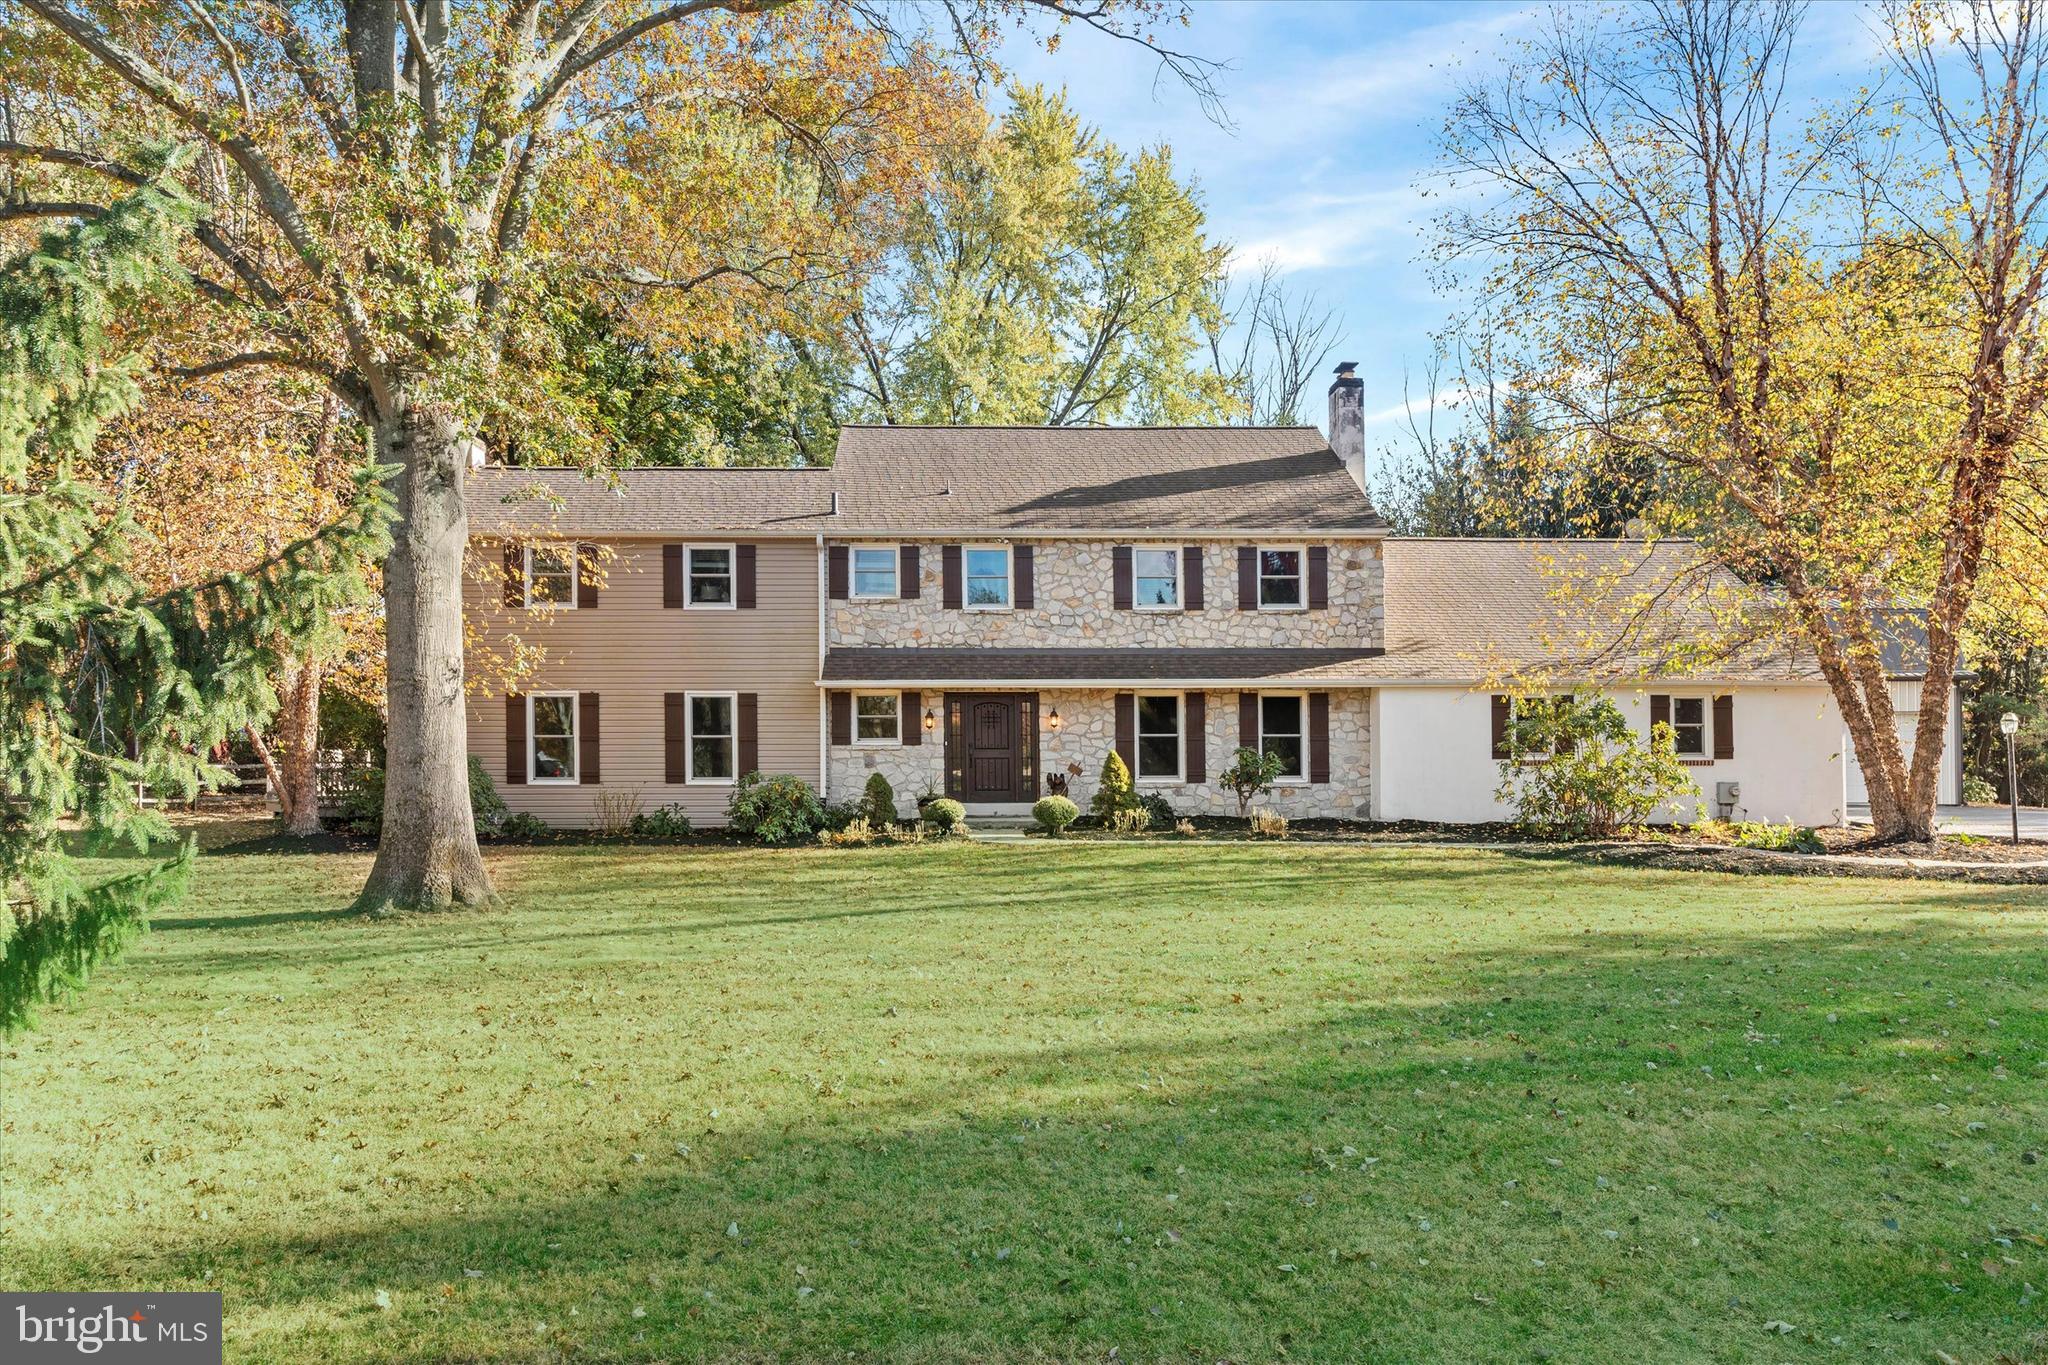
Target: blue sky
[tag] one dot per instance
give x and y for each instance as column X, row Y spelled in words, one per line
column 1334, row 107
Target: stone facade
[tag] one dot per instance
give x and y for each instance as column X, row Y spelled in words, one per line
column 1088, row 732
column 1075, row 608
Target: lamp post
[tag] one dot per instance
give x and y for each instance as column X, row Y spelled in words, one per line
column 2009, row 726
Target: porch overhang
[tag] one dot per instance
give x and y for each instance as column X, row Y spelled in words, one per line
column 987, row 669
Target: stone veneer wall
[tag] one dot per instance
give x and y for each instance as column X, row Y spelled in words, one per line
column 1074, row 592
column 1088, row 732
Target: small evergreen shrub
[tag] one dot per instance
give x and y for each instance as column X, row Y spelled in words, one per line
column 1269, row 824
column 945, row 814
column 878, row 802
column 1114, row 792
column 1055, row 813
column 1978, row 792
column 839, row 814
column 1160, row 811
column 664, row 822
column 774, row 810
column 524, row 825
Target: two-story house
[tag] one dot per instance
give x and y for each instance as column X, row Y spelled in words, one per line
column 986, row 612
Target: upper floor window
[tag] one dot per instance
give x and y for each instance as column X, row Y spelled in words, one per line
column 710, row 576
column 874, row 571
column 1280, row 733
column 1159, row 746
column 988, row 577
column 1280, row 586
column 552, row 731
column 1156, row 575
column 551, row 575
column 877, row 718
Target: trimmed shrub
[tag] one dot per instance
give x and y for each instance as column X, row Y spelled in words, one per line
column 1055, row 813
column 946, row 814
column 665, row 822
column 774, row 810
column 1113, row 793
column 878, row 802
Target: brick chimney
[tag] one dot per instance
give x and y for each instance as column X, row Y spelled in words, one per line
column 1347, row 420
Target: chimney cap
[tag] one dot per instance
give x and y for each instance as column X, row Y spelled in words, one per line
column 1345, row 367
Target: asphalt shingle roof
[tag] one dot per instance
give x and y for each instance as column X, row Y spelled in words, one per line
column 904, row 480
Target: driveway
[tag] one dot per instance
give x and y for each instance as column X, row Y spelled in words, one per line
column 1995, row 821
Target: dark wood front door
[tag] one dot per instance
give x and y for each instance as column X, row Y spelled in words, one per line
column 991, row 744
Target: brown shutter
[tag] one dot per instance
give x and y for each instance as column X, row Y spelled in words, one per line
column 674, row 768
column 515, row 740
column 906, row 573
column 836, row 573
column 1724, row 725
column 1500, row 726
column 949, row 559
column 1247, row 578
column 1191, row 577
column 1564, row 744
column 1120, row 577
column 748, row 723
column 1127, row 730
column 1318, row 577
column 910, row 718
column 587, row 741
column 1660, row 709
column 1195, row 719
column 672, row 579
column 743, row 564
column 842, row 717
column 1021, row 570
column 1248, row 720
column 1319, row 737
column 586, row 578
column 515, row 575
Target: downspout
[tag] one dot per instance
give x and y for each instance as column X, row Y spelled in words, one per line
column 824, row 699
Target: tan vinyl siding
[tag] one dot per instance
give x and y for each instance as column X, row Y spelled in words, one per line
column 631, row 650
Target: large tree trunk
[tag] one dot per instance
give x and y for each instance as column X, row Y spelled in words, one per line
column 427, row 858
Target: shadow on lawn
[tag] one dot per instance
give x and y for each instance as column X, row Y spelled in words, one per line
column 969, row 1215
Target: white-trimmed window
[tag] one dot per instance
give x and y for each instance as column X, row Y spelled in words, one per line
column 987, row 570
column 708, row 570
column 874, row 572
column 551, row 736
column 711, row 737
column 1283, row 730
column 1281, row 578
column 551, row 575
column 1155, row 578
column 1158, row 739
column 1691, row 722
column 877, row 718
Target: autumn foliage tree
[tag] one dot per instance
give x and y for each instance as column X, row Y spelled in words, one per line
column 1815, row 331
column 399, row 193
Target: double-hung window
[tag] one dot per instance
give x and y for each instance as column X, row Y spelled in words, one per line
column 1280, row 585
column 988, row 577
column 551, row 727
column 710, row 576
column 1281, row 727
column 1159, row 746
column 874, row 571
column 710, row 740
column 1156, row 575
column 1689, row 726
column 551, row 575
column 877, row 718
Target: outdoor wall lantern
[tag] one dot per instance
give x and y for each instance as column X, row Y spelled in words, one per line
column 1052, row 722
column 2009, row 726
column 931, row 722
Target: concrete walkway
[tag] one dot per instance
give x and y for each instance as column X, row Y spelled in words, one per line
column 1994, row 822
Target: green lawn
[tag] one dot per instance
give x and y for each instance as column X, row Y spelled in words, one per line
column 1042, row 1103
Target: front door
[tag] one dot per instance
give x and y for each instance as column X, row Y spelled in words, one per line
column 990, row 748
